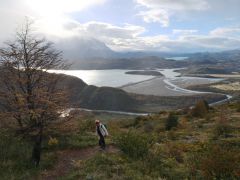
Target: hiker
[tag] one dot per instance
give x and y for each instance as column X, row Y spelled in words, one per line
column 102, row 133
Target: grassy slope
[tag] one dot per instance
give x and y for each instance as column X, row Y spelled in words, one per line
column 201, row 148
column 148, row 150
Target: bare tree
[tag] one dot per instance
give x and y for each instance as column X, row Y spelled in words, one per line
column 28, row 93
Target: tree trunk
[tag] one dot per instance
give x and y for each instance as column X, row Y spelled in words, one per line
column 37, row 148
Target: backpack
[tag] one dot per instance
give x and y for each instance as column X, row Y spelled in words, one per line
column 105, row 126
column 105, row 131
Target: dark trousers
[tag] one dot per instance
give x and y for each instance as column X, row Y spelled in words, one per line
column 102, row 142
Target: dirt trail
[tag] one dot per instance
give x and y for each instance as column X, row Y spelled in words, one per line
column 66, row 159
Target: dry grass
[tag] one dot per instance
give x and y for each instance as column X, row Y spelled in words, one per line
column 235, row 86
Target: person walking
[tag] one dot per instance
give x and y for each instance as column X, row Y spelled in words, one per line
column 102, row 133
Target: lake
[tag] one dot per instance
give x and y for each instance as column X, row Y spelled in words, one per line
column 112, row 78
column 118, row 78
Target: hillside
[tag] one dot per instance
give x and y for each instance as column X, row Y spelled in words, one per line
column 92, row 97
column 107, row 98
column 165, row 145
column 224, row 62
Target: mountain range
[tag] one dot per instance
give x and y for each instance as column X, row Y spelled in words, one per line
column 89, row 53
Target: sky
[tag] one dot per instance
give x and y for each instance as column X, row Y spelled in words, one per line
column 131, row 25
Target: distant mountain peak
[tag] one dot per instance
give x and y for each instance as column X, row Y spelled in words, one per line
column 83, row 47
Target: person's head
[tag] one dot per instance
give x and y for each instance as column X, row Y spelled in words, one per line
column 97, row 122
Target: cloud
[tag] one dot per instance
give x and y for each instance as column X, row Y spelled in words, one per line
column 12, row 14
column 53, row 7
column 155, row 15
column 225, row 32
column 146, row 43
column 185, row 41
column 209, row 42
column 114, row 36
column 184, row 31
column 182, row 5
column 48, row 15
column 102, row 30
column 111, row 31
column 59, row 25
column 130, row 38
column 126, row 37
column 161, row 10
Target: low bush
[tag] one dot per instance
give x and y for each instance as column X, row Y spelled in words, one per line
column 201, row 109
column 53, row 141
column 134, row 144
column 171, row 122
column 223, row 127
column 222, row 130
column 161, row 164
column 148, row 127
column 87, row 125
column 140, row 120
column 215, row 161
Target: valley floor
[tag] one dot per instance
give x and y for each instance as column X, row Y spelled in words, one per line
column 160, row 86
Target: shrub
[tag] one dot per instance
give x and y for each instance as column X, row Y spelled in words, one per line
column 159, row 165
column 220, row 163
column 175, row 151
column 134, row 144
column 222, row 129
column 140, row 120
column 216, row 161
column 148, row 127
column 87, row 125
column 171, row 135
column 52, row 141
column 171, row 122
column 201, row 109
column 183, row 123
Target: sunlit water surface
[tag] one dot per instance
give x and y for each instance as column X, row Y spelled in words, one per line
column 112, row 78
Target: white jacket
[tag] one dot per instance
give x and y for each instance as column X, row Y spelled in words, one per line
column 103, row 130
